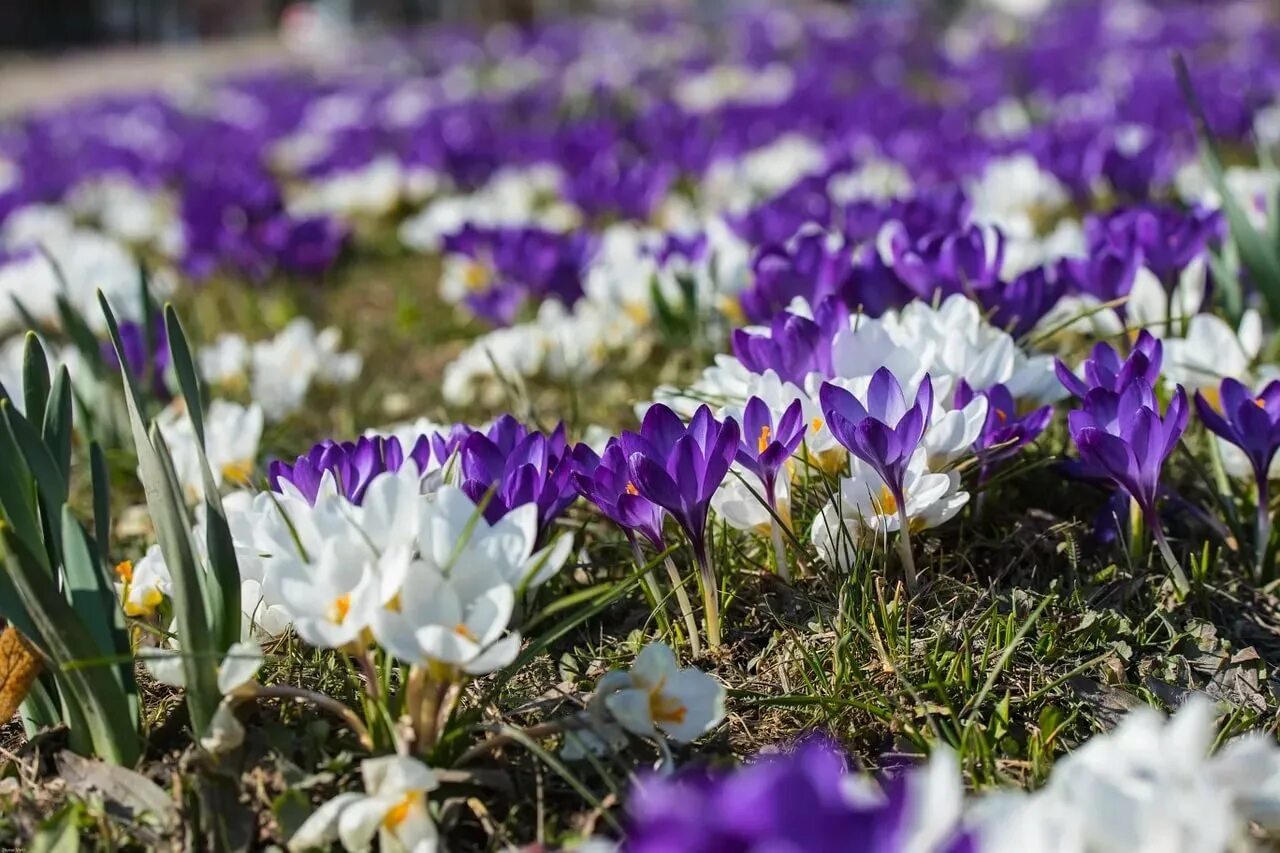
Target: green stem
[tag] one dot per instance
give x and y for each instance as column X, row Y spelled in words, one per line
column 653, row 591
column 686, row 607
column 1180, row 581
column 904, row 550
column 710, row 596
column 1263, row 527
column 780, row 551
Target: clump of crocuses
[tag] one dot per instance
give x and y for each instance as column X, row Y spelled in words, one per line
column 1122, row 435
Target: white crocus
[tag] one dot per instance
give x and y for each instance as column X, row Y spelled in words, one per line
column 143, row 586
column 235, row 682
column 232, row 434
column 656, row 695
column 740, row 501
column 1150, row 785
column 1211, row 351
column 1162, row 313
column 332, row 600
column 952, row 432
column 226, row 361
column 461, row 543
column 460, row 624
column 866, row 509
column 393, row 809
column 285, row 367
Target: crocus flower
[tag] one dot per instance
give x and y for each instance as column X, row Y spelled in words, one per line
column 767, row 446
column 802, row 800
column 513, row 466
column 1124, row 437
column 347, row 466
column 1104, row 369
column 657, row 695
column 884, row 433
column 605, row 480
column 794, row 346
column 1251, row 423
column 1167, row 238
column 1005, row 431
column 393, row 809
column 679, row 468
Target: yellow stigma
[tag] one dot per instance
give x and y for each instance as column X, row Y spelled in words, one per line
column 887, row 502
column 632, row 490
column 340, row 608
column 762, row 443
column 238, row 472
column 475, row 275
column 1259, row 402
column 466, row 633
column 816, row 423
column 732, row 309
column 1001, row 416
column 399, row 813
column 394, row 604
column 124, row 571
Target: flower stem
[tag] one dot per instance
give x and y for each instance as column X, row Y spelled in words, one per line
column 653, row 590
column 686, row 607
column 780, row 551
column 1180, row 581
column 710, row 595
column 1263, row 527
column 904, row 550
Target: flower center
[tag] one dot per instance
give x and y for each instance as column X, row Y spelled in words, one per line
column 393, row 604
column 816, row 423
column 340, row 608
column 146, row 605
column 124, row 571
column 399, row 813
column 466, row 633
column 475, row 275
column 762, row 443
column 664, row 708
column 1259, row 402
column 632, row 490
column 1213, row 398
column 1002, row 416
column 238, row 472
column 888, row 503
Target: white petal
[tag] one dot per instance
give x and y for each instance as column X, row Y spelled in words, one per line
column 321, row 828
column 239, row 666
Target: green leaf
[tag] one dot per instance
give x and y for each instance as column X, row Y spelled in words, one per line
column 17, row 489
column 51, row 486
column 39, row 711
column 90, row 687
column 184, row 367
column 223, row 592
column 35, row 376
column 93, row 597
column 58, row 425
column 168, row 514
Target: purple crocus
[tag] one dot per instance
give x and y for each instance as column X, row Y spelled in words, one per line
column 1122, row 436
column 766, row 446
column 1251, row 423
column 884, row 433
column 792, row 801
column 605, row 480
column 794, row 346
column 510, row 466
column 1104, row 369
column 679, row 468
column 1004, row 432
column 350, row 464
column 1167, row 237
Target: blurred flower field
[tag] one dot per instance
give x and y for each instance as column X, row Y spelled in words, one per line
column 768, row 427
